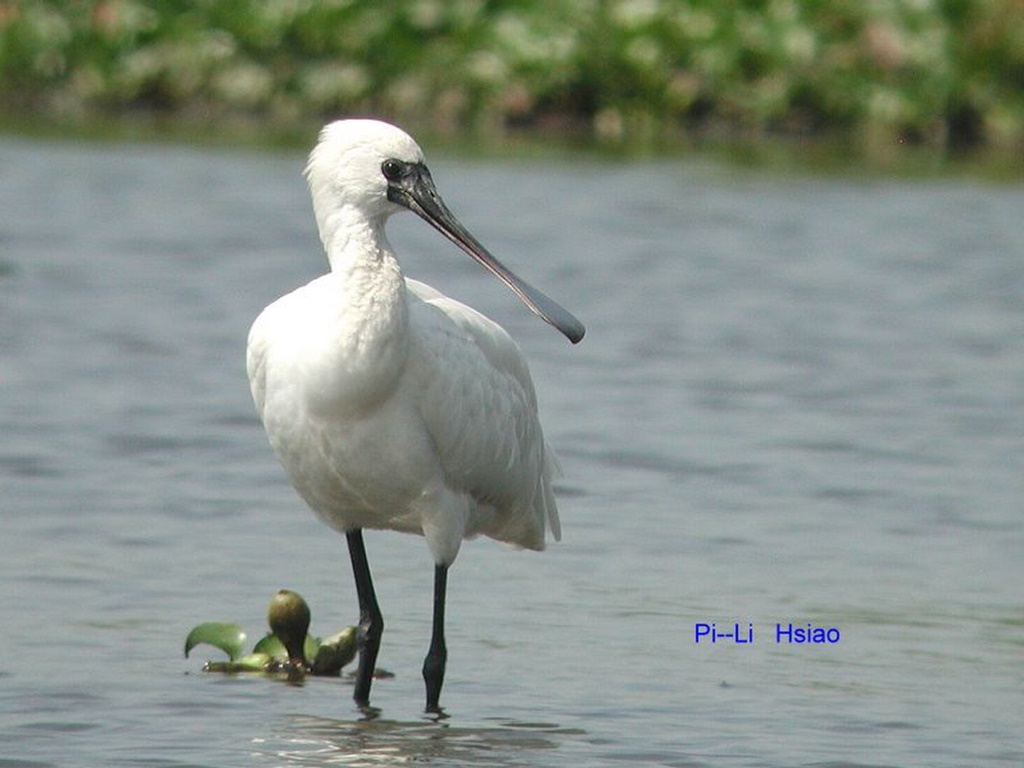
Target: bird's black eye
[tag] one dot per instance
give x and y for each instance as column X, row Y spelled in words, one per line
column 392, row 169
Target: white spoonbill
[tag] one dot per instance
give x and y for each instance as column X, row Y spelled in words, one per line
column 390, row 405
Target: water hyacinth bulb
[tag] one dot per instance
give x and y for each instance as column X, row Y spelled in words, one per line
column 288, row 616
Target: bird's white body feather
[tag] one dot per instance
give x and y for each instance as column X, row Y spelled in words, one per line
column 392, row 406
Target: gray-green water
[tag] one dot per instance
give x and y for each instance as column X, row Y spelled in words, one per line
column 800, row 400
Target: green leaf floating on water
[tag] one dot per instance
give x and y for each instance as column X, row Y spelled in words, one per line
column 229, row 637
column 271, row 645
column 335, row 652
column 251, row 662
column 325, row 657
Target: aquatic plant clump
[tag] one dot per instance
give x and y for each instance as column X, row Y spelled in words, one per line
column 287, row 648
column 943, row 72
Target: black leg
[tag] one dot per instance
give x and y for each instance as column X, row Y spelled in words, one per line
column 433, row 665
column 371, row 622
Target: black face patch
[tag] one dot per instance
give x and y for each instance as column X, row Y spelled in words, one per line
column 407, row 182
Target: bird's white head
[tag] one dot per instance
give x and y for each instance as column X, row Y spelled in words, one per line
column 362, row 171
column 345, row 168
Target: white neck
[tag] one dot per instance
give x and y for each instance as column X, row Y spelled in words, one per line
column 373, row 319
column 350, row 237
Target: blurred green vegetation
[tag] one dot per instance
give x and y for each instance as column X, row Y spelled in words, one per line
column 942, row 73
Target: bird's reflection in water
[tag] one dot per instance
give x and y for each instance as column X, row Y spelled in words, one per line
column 375, row 741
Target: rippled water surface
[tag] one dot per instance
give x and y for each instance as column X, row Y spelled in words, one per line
column 799, row 400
